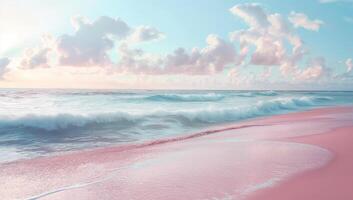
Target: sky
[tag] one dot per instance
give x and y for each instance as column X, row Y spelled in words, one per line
column 177, row 44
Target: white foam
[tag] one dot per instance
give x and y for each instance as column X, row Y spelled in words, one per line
column 187, row 117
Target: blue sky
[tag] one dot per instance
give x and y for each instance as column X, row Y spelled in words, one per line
column 183, row 23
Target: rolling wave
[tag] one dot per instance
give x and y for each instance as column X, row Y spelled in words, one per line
column 258, row 93
column 266, row 93
column 182, row 117
column 205, row 97
column 186, row 97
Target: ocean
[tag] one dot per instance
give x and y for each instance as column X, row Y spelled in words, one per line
column 41, row 122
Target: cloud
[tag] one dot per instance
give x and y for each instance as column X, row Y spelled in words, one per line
column 35, row 58
column 211, row 59
column 349, row 64
column 208, row 60
column 252, row 14
column 271, row 35
column 145, row 33
column 90, row 44
column 4, row 62
column 270, row 41
column 315, row 70
column 269, row 51
column 301, row 20
column 348, row 74
column 275, row 42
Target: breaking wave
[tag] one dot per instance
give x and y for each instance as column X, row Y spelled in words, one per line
column 266, row 93
column 208, row 115
column 186, row 97
column 205, row 97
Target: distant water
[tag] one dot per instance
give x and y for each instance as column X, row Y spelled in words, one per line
column 42, row 122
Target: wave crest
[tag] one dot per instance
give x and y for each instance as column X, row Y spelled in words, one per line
column 186, row 97
column 206, row 97
column 183, row 117
column 266, row 93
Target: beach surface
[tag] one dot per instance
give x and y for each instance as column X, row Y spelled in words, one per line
column 333, row 181
column 304, row 155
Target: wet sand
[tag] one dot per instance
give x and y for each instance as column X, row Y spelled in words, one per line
column 304, row 155
column 333, row 181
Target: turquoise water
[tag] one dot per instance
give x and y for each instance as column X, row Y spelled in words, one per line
column 41, row 122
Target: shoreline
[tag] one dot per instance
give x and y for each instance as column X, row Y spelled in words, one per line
column 195, row 167
column 332, row 181
column 214, row 129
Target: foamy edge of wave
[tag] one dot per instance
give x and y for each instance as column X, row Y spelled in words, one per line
column 185, row 117
column 186, row 97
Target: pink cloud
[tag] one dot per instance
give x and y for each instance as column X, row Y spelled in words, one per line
column 315, row 70
column 269, row 34
column 276, row 43
column 89, row 45
column 270, row 40
column 301, row 20
column 208, row 60
column 35, row 58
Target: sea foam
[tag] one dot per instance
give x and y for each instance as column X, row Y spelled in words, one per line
column 184, row 117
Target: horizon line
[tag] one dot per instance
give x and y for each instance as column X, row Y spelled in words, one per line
column 180, row 89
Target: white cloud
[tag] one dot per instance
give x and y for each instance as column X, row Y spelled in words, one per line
column 301, row 20
column 145, row 33
column 252, row 14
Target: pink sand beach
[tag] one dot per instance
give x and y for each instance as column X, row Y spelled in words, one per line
column 304, row 155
